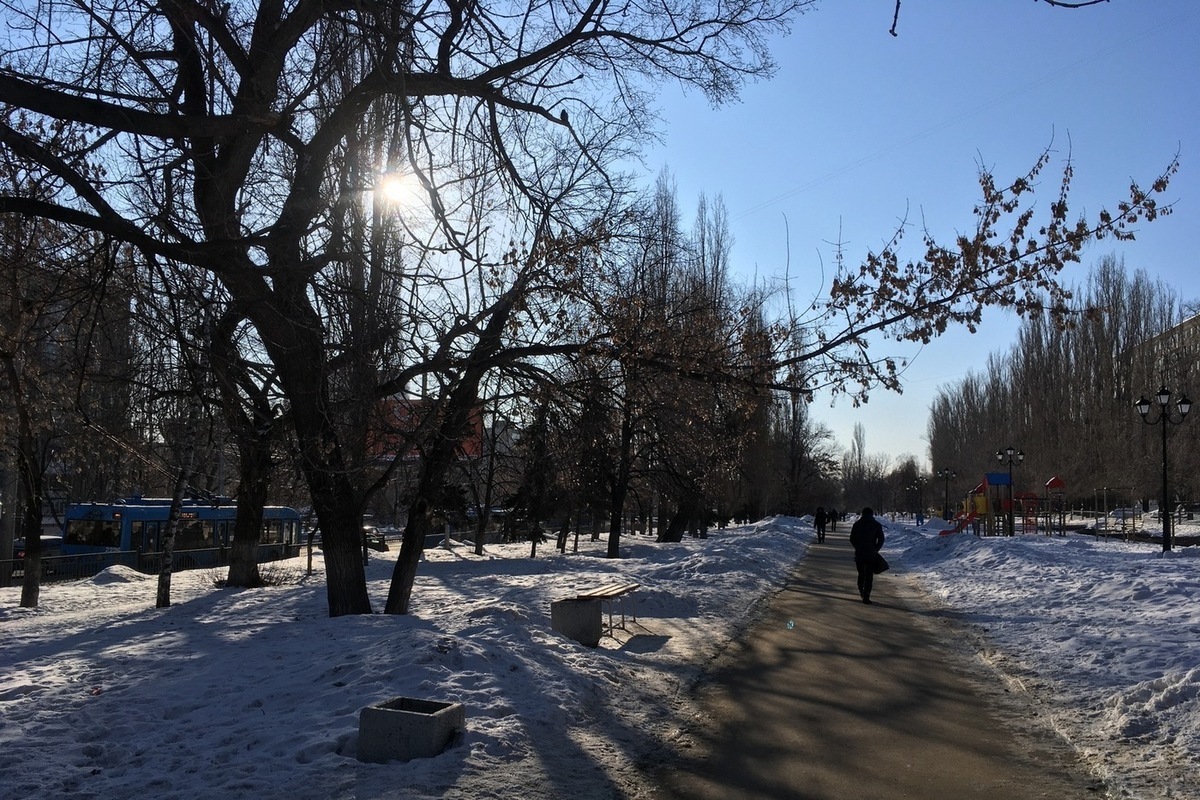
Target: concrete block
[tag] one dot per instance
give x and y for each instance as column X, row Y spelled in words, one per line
column 405, row 728
column 577, row 619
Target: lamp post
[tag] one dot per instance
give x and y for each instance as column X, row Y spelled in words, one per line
column 1005, row 456
column 1164, row 418
column 918, row 487
column 946, row 475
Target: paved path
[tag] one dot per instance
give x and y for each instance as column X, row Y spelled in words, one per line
column 863, row 702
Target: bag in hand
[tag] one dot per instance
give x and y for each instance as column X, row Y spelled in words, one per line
column 881, row 564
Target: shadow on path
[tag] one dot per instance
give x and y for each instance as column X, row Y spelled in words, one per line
column 826, row 698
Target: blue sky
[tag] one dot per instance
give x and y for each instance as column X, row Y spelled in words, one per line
column 859, row 128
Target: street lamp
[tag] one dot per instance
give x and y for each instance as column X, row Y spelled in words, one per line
column 946, row 475
column 1164, row 417
column 918, row 487
column 1005, row 456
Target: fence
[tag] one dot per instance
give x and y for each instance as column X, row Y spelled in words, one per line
column 73, row 567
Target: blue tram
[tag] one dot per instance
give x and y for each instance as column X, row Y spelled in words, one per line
column 130, row 532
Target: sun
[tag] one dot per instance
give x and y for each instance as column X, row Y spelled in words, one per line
column 401, row 189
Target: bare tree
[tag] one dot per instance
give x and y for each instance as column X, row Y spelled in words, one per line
column 51, row 300
column 219, row 141
column 1010, row 260
column 1053, row 3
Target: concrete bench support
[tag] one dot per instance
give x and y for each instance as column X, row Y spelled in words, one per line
column 577, row 619
column 405, row 728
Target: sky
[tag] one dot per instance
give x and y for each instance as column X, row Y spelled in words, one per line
column 257, row 693
column 860, row 128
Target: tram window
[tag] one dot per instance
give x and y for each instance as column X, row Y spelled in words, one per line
column 272, row 532
column 194, row 535
column 93, row 532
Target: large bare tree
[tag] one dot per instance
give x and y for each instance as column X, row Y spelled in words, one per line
column 219, row 125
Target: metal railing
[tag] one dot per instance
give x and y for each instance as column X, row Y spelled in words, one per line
column 73, row 567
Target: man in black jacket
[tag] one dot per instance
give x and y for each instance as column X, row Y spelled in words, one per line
column 867, row 538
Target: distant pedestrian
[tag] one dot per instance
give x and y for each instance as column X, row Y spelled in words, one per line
column 819, row 522
column 867, row 538
column 832, row 514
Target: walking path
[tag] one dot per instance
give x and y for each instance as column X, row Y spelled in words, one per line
column 826, row 698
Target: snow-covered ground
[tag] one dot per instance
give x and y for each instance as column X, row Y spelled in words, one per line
column 231, row 694
column 1104, row 633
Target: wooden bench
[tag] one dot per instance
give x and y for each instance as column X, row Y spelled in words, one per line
column 611, row 594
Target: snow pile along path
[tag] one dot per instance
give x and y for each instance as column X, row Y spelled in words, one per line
column 1102, row 632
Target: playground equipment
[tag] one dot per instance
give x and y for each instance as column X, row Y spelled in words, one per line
column 997, row 486
column 1027, row 506
column 1056, row 505
column 988, row 507
column 974, row 506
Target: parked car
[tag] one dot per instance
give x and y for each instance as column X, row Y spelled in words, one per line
column 51, row 547
column 373, row 539
column 496, row 513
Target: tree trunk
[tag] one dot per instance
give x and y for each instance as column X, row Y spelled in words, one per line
column 247, row 529
column 564, row 530
column 248, row 411
column 165, row 567
column 675, row 530
column 436, row 464
column 621, row 481
column 614, row 531
column 481, row 529
column 292, row 332
column 31, row 525
column 31, row 472
column 434, row 469
column 411, row 546
column 458, row 405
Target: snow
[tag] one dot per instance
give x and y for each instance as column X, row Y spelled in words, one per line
column 256, row 693
column 1104, row 633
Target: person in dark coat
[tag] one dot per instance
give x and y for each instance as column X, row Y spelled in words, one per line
column 866, row 536
column 819, row 523
column 832, row 516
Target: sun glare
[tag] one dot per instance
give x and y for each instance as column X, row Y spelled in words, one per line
column 401, row 189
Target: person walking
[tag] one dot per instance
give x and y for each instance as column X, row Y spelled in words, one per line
column 866, row 535
column 832, row 516
column 819, row 523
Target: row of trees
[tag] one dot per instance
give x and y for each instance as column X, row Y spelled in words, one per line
column 673, row 415
column 1064, row 394
column 226, row 166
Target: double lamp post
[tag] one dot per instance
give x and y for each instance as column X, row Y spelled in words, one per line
column 1164, row 418
column 1006, row 456
column 945, row 475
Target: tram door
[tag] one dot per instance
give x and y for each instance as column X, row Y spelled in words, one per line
column 146, row 536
